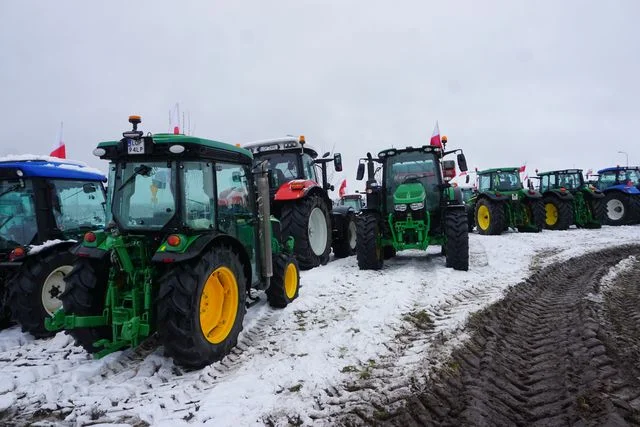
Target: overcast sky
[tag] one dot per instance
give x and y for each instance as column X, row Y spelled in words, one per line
column 554, row 84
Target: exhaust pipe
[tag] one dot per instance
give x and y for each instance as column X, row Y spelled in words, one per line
column 264, row 218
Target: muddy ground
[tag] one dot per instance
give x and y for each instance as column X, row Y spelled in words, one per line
column 562, row 348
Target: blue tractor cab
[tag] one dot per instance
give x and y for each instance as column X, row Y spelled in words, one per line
column 621, row 187
column 46, row 204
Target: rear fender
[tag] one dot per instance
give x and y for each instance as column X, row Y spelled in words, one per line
column 532, row 195
column 623, row 189
column 493, row 197
column 559, row 194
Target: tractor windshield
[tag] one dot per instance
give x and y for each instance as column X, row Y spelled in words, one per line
column 354, row 203
column 632, row 175
column 283, row 165
column 199, row 195
column 18, row 224
column 78, row 205
column 413, row 166
column 144, row 195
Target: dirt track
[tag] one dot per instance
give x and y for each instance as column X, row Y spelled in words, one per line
column 557, row 350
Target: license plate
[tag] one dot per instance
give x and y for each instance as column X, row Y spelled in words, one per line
column 514, row 196
column 136, row 146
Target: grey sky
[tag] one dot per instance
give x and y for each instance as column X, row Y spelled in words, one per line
column 552, row 83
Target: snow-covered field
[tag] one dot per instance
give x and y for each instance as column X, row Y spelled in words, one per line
column 299, row 364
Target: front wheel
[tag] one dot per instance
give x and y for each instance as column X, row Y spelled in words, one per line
column 308, row 222
column 201, row 306
column 346, row 246
column 34, row 292
column 285, row 283
column 457, row 244
column 369, row 252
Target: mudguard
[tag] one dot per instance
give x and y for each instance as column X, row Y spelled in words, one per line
column 295, row 189
column 623, row 188
column 562, row 195
column 191, row 248
column 493, row 197
column 592, row 193
column 532, row 194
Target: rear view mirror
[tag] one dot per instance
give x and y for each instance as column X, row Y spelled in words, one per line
column 235, row 177
column 89, row 188
column 325, row 155
column 462, row 162
column 360, row 173
column 337, row 162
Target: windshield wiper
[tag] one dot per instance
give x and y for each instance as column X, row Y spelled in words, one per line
column 10, row 189
column 140, row 170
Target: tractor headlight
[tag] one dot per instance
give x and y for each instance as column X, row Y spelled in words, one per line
column 417, row 206
column 400, row 208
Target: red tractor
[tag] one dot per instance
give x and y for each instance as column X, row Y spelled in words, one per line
column 298, row 198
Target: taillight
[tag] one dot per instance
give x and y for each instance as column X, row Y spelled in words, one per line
column 174, row 240
column 17, row 253
column 90, row 237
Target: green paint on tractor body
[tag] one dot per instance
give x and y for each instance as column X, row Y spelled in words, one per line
column 167, row 210
column 501, row 192
column 585, row 198
column 411, row 206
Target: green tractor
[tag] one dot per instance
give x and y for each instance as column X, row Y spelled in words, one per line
column 503, row 202
column 189, row 235
column 414, row 207
column 569, row 200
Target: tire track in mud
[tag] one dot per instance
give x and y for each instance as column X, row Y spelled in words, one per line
column 143, row 368
column 546, row 354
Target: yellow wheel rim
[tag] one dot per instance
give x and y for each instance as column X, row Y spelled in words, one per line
column 291, row 280
column 219, row 305
column 484, row 218
column 552, row 213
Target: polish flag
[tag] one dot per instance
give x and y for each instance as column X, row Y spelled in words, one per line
column 60, row 150
column 522, row 168
column 343, row 188
column 462, row 173
column 435, row 138
column 174, row 119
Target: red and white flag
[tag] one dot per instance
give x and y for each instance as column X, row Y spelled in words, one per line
column 435, row 138
column 343, row 188
column 174, row 119
column 60, row 150
column 462, row 173
column 522, row 168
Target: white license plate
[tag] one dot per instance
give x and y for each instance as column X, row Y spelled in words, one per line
column 514, row 196
column 136, row 146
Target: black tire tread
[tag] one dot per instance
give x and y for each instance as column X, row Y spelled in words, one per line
column 496, row 216
column 368, row 254
column 178, row 308
column 457, row 245
column 565, row 213
column 276, row 294
column 341, row 247
column 25, row 287
column 295, row 220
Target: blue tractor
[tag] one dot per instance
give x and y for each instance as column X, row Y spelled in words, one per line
column 621, row 188
column 46, row 204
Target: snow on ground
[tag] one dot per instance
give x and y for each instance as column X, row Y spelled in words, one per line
column 289, row 362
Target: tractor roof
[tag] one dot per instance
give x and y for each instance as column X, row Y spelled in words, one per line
column 393, row 151
column 561, row 171
column 506, row 169
column 169, row 138
column 47, row 167
column 287, row 143
column 618, row 168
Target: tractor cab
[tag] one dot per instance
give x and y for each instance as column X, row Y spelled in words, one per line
column 571, row 180
column 189, row 235
column 46, row 204
column 505, row 180
column 353, row 201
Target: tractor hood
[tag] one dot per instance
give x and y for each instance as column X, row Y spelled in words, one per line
column 408, row 193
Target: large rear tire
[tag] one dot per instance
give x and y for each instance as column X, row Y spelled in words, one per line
column 285, row 282
column 85, row 295
column 309, row 223
column 201, row 306
column 369, row 253
column 597, row 210
column 489, row 217
column 617, row 209
column 457, row 245
column 346, row 246
column 558, row 213
column 34, row 292
column 5, row 312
